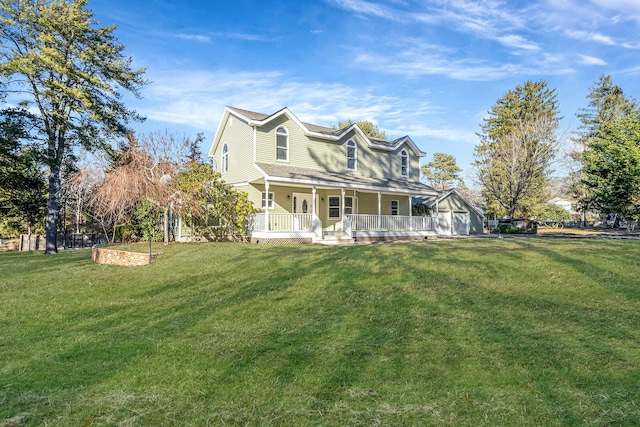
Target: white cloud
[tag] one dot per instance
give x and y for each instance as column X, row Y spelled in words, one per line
column 518, row 42
column 590, row 60
column 590, row 36
column 367, row 8
column 194, row 37
column 198, row 98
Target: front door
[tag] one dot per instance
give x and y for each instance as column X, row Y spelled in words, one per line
column 302, row 203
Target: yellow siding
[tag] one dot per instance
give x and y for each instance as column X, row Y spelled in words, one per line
column 321, row 154
column 239, row 138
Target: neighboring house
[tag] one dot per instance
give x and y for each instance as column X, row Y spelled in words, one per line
column 312, row 183
column 567, row 205
column 456, row 214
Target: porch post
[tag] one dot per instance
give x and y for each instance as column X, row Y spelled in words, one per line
column 313, row 200
column 266, row 205
column 342, row 207
column 379, row 210
column 410, row 219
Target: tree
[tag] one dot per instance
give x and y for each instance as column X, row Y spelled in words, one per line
column 22, row 185
column 142, row 172
column 71, row 71
column 442, row 172
column 209, row 205
column 366, row 127
column 608, row 141
column 611, row 167
column 517, row 146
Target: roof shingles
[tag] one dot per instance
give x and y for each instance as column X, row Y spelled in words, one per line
column 336, row 179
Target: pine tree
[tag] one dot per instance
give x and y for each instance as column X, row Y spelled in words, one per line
column 517, row 146
column 71, row 71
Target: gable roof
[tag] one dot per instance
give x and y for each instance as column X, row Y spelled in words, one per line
column 253, row 118
column 434, row 200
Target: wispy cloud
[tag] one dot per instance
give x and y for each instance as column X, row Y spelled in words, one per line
column 194, row 37
column 518, row 42
column 198, row 98
column 206, row 38
column 590, row 60
column 590, row 36
column 362, row 7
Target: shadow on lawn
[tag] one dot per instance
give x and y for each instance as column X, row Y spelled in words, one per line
column 322, row 326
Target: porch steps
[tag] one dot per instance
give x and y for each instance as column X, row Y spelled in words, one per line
column 336, row 238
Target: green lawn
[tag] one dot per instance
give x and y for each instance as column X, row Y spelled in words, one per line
column 479, row 332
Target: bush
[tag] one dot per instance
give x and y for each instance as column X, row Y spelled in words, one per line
column 507, row 228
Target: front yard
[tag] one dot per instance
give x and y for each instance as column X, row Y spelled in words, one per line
column 516, row 331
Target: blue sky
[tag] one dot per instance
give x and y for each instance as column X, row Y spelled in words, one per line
column 429, row 69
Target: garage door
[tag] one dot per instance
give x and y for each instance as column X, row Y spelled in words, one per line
column 461, row 223
column 444, row 222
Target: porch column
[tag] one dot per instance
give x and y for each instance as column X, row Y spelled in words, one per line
column 313, row 200
column 342, row 207
column 410, row 214
column 379, row 210
column 266, row 205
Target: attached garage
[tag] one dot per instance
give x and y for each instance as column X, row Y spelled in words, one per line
column 456, row 215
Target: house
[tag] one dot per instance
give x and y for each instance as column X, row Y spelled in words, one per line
column 456, row 214
column 312, row 183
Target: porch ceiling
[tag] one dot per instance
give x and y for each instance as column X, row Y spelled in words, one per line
column 296, row 176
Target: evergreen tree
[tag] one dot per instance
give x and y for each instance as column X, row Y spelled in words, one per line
column 71, row 71
column 610, row 156
column 517, row 145
column 442, row 172
column 22, row 186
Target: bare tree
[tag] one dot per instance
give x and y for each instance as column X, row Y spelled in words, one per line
column 514, row 173
column 77, row 190
column 145, row 172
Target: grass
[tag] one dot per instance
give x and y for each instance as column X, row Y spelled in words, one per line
column 524, row 332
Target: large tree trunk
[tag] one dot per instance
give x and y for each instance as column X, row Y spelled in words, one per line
column 53, row 209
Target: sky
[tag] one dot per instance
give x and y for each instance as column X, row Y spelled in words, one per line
column 430, row 69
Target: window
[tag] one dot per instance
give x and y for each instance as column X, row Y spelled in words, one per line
column 394, row 207
column 264, row 200
column 351, row 155
column 282, row 144
column 404, row 163
column 349, row 205
column 225, row 158
column 334, row 207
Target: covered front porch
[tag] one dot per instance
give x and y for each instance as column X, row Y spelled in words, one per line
column 306, row 205
column 322, row 215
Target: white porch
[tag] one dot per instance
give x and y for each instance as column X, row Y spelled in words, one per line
column 272, row 225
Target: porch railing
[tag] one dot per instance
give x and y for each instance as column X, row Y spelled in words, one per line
column 283, row 222
column 364, row 222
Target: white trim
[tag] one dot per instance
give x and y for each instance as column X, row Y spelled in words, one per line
column 329, row 207
column 240, row 184
column 397, row 207
column 285, row 111
column 224, row 158
column 355, row 154
column 286, row 160
column 270, row 201
column 404, row 154
column 384, row 190
column 255, row 144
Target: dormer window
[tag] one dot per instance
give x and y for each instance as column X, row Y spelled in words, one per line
column 225, row 158
column 282, row 144
column 404, row 163
column 351, row 155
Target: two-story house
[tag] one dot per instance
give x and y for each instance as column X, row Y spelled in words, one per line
column 312, row 183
